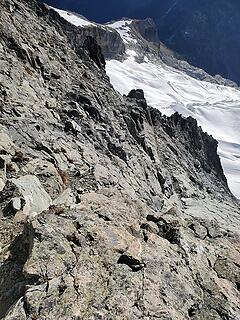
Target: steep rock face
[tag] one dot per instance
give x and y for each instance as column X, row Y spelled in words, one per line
column 148, row 29
column 200, row 144
column 110, row 41
column 140, row 223
column 95, row 52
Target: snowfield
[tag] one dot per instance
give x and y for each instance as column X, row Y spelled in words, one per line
column 216, row 108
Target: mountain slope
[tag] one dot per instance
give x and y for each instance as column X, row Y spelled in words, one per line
column 108, row 209
column 205, row 33
column 216, row 107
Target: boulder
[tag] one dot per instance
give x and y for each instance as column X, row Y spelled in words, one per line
column 25, row 193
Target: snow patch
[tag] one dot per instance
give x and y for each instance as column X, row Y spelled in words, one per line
column 73, row 18
column 123, row 28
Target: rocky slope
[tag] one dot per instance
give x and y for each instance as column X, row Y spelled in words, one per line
column 109, row 210
column 174, row 86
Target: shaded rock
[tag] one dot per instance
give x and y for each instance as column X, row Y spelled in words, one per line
column 133, row 263
column 109, row 40
column 117, row 151
column 136, row 94
column 147, row 29
column 95, row 52
column 15, row 205
column 2, row 168
column 111, row 43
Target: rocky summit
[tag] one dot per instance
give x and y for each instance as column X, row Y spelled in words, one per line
column 109, row 210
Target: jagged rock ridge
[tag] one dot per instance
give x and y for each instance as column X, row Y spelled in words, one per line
column 109, row 210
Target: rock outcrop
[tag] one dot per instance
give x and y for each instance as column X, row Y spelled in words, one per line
column 148, row 29
column 108, row 210
column 109, row 39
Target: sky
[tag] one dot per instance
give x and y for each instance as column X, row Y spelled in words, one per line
column 106, row 10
